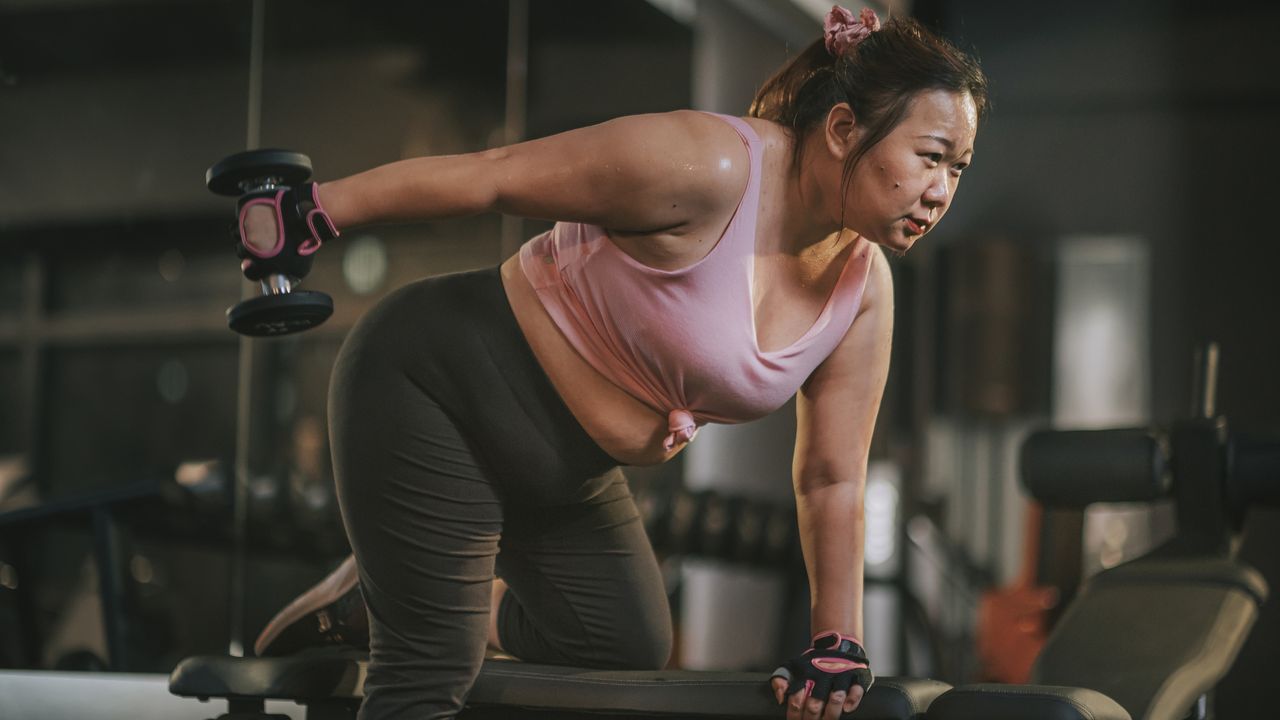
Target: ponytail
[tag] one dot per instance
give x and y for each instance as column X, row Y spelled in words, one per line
column 878, row 77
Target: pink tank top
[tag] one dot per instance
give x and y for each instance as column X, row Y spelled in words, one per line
column 684, row 341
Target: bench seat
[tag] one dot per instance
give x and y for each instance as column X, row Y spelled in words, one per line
column 335, row 681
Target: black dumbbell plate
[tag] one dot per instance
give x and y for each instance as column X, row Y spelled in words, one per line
column 272, row 315
column 226, row 176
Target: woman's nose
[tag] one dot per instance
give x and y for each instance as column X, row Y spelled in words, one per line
column 937, row 193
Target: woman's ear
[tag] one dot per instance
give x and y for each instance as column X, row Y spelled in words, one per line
column 840, row 130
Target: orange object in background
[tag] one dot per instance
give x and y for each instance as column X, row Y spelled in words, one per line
column 1014, row 621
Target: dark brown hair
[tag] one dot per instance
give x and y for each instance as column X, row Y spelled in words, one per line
column 878, row 78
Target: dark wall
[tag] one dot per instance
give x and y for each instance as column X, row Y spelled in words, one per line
column 1155, row 119
column 116, row 268
column 1152, row 119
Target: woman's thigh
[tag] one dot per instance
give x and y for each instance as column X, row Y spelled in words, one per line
column 442, row 427
column 423, row 522
column 584, row 585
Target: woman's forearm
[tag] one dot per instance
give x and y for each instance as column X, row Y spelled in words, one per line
column 412, row 190
column 832, row 533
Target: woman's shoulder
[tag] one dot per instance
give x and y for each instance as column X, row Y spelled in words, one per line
column 699, row 157
column 692, row 132
column 722, row 130
column 702, row 132
column 721, row 140
column 694, row 149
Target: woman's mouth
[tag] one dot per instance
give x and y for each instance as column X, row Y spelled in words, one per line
column 916, row 226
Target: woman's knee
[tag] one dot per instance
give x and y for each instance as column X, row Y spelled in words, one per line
column 644, row 645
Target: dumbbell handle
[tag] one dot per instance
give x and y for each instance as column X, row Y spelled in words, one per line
column 276, row 285
column 257, row 184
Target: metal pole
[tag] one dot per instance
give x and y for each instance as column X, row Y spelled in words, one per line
column 1204, row 396
column 244, row 389
column 111, row 587
column 517, row 99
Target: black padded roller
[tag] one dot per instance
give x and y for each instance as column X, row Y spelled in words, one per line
column 1254, row 475
column 1073, row 468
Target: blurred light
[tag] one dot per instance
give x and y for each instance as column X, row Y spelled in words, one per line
column 314, row 497
column 1102, row 337
column 172, row 381
column 1115, row 531
column 685, row 11
column 8, row 576
column 1110, row 556
column 194, row 472
column 172, row 263
column 364, row 266
column 141, row 569
column 881, row 517
column 263, row 491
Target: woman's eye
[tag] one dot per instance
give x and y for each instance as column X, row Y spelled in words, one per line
column 959, row 168
column 934, row 157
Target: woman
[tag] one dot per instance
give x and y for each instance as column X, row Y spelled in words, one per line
column 703, row 268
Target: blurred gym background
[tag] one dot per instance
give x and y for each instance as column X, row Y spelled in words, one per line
column 1117, row 214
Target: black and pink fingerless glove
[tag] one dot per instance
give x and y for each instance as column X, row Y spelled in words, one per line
column 834, row 663
column 297, row 222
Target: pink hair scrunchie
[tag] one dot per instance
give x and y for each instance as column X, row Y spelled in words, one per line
column 843, row 31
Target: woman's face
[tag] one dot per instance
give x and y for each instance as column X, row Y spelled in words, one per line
column 904, row 184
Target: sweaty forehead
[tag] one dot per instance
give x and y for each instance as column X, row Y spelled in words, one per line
column 945, row 114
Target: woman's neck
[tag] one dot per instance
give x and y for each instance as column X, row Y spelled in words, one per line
column 808, row 225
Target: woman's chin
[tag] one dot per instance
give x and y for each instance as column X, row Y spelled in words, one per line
column 895, row 243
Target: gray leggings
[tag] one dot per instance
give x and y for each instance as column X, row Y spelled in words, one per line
column 455, row 457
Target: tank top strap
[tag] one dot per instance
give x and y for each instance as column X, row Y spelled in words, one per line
column 743, row 127
column 744, row 218
column 750, row 138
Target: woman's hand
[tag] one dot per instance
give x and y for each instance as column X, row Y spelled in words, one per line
column 800, row 707
column 829, row 679
column 280, row 229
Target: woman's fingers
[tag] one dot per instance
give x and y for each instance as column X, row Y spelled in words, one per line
column 779, row 689
column 835, row 705
column 813, row 709
column 800, row 707
column 796, row 705
column 854, row 699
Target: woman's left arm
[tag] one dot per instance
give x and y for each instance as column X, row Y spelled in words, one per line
column 836, row 413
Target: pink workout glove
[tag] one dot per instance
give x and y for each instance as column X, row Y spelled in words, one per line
column 292, row 220
column 834, row 663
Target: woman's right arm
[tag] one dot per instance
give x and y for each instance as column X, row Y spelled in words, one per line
column 636, row 173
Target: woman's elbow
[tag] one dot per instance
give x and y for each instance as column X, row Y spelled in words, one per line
column 490, row 185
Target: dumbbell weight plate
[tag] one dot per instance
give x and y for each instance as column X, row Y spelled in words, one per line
column 272, row 315
column 287, row 167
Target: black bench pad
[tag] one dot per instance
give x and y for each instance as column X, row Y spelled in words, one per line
column 505, row 683
column 990, row 701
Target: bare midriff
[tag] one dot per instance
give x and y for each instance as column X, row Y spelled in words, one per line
column 625, row 428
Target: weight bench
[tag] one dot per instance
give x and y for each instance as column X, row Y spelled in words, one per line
column 1147, row 640
column 1151, row 638
column 330, row 687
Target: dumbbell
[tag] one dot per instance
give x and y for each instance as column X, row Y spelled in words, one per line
column 282, row 308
